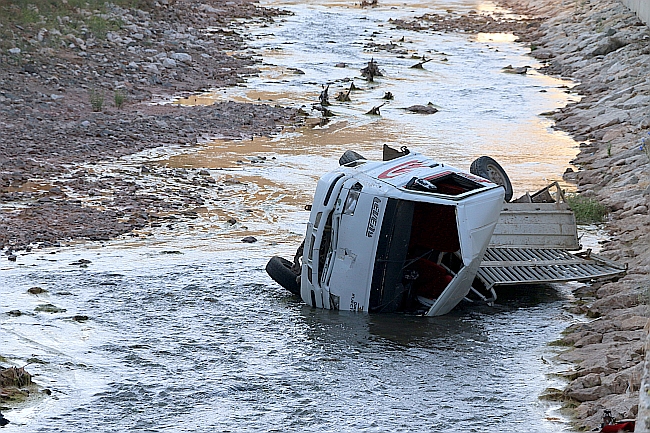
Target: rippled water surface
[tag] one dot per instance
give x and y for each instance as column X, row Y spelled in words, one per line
column 187, row 333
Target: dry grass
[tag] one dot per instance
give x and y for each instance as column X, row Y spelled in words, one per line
column 22, row 20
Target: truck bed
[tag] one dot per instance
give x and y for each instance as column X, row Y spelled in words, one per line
column 531, row 244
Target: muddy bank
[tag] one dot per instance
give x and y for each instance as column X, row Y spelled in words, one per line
column 606, row 49
column 71, row 98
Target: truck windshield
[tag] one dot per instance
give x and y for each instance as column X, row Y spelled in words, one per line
column 325, row 246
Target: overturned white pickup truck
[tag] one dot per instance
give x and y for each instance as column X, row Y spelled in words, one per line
column 404, row 234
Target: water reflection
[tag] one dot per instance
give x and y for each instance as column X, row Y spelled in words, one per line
column 483, row 111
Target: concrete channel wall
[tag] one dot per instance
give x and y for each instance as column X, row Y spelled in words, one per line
column 640, row 7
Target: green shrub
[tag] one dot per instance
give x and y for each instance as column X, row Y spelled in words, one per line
column 587, row 210
column 98, row 26
column 119, row 98
column 559, row 343
column 96, row 99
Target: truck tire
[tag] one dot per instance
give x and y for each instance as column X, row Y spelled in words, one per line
column 279, row 270
column 488, row 168
column 349, row 156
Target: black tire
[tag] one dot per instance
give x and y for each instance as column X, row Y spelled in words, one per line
column 349, row 156
column 488, row 168
column 279, row 270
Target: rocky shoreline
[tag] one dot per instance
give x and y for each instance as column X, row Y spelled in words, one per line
column 606, row 49
column 70, row 98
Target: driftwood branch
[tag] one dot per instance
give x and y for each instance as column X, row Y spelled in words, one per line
column 344, row 96
column 324, row 97
column 371, row 71
column 419, row 65
column 375, row 110
column 324, row 111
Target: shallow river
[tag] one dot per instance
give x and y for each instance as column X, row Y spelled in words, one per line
column 185, row 331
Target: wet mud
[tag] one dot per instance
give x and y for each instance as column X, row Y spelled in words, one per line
column 51, row 134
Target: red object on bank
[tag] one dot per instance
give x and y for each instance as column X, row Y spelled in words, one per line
column 617, row 427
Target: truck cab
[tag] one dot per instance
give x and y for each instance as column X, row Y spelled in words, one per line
column 406, row 234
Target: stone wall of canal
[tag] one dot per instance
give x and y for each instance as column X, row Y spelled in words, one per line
column 605, row 48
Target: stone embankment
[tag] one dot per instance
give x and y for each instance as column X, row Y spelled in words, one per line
column 605, row 48
column 74, row 93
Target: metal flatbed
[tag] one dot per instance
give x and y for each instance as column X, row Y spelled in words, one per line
column 519, row 266
column 531, row 244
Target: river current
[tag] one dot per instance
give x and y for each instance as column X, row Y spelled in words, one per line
column 185, row 331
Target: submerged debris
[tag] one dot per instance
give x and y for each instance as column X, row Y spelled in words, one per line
column 423, row 109
column 324, row 97
column 366, row 3
column 12, row 379
column 36, row 290
column 344, row 96
column 520, row 70
column 49, row 308
column 375, row 110
column 420, row 64
column 324, row 111
column 371, row 71
column 15, row 377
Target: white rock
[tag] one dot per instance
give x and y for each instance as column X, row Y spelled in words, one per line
column 160, row 56
column 132, row 65
column 151, row 68
column 169, row 63
column 55, row 97
column 113, row 37
column 209, row 9
column 14, row 51
column 138, row 36
column 181, row 57
column 41, row 35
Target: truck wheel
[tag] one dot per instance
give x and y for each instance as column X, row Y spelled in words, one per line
column 349, row 156
column 279, row 270
column 488, row 168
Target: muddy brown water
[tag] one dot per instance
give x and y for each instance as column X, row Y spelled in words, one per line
column 187, row 333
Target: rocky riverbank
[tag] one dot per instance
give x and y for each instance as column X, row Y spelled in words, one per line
column 606, row 49
column 73, row 93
